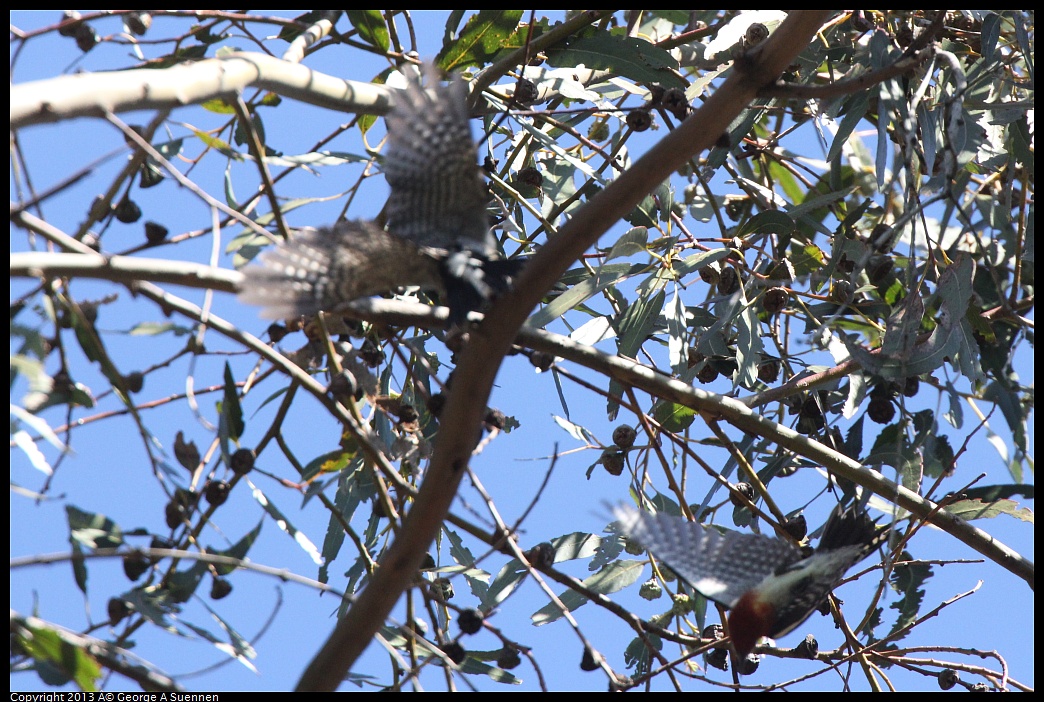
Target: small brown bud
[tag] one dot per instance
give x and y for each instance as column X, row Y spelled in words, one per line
column 542, row 555
column 746, row 489
column 589, row 661
column 624, row 436
column 526, row 92
column 220, row 589
column 675, row 102
column 775, row 300
column 470, row 621
column 454, row 651
column 242, row 461
column 613, row 462
column 639, row 120
column 117, row 610
column 508, row 659
column 155, row 233
column 729, row 281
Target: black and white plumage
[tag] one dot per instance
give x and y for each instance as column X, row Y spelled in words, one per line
column 767, row 583
column 438, row 235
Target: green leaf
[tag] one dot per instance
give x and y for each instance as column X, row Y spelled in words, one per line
column 612, row 578
column 95, row 531
column 286, row 525
column 855, row 109
column 908, row 580
column 219, row 106
column 473, row 666
column 231, row 410
column 672, row 416
column 371, row 27
column 984, row 504
column 57, row 660
column 237, row 550
column 480, row 40
column 636, row 323
column 629, row 57
column 633, row 241
column 578, row 292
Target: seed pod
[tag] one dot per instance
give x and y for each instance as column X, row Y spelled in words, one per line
column 435, row 404
column 155, row 233
column 675, row 102
column 86, row 37
column 717, row 658
column 134, row 565
column 707, row 374
column 639, row 120
column 841, row 291
column 216, row 492
column 174, row 514
column 220, row 589
column 371, row 354
column 529, row 176
column 68, row 24
column 775, row 300
column 526, row 92
column 632, row 547
column 470, row 621
column 495, row 419
column 729, row 281
column 508, row 659
column 277, row 331
column 117, row 610
column 768, row 371
column 624, row 436
column 134, row 381
column 878, row 268
column 589, row 661
column 138, row 22
column 613, row 462
column 880, row 410
column 746, row 489
column 797, row 527
column 948, row 677
column 542, row 555
column 541, row 361
column 881, row 238
column 454, row 651
column 242, row 461
column 755, row 34
column 809, row 647
column 127, row 211
column 748, row 665
column 650, row 590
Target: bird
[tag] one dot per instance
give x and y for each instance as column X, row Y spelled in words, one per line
column 438, row 235
column 768, row 584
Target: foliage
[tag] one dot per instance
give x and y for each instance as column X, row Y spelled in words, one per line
column 804, row 309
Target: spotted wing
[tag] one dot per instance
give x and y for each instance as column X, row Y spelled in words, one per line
column 437, row 195
column 719, row 566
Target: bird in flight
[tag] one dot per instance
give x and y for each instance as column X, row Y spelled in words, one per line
column 768, row 585
column 438, row 236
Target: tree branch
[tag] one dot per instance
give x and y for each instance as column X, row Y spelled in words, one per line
column 482, row 357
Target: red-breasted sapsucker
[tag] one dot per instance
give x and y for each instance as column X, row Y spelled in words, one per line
column 438, row 235
column 768, row 585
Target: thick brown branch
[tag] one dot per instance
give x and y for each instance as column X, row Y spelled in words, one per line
column 489, row 343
